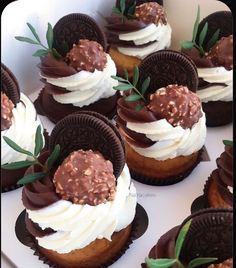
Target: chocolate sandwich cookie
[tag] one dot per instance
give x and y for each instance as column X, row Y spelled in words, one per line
column 209, row 235
column 86, row 131
column 73, row 27
column 10, row 85
column 222, row 20
column 166, row 67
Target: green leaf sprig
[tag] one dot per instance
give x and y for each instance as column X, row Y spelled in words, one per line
column 228, row 142
column 136, row 94
column 199, row 44
column 165, row 263
column 122, row 12
column 45, row 50
column 34, row 156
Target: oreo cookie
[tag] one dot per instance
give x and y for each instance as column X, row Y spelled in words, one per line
column 73, row 27
column 222, row 20
column 10, row 85
column 167, row 67
column 209, row 235
column 89, row 131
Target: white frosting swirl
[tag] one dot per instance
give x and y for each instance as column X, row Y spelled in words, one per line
column 77, row 226
column 86, row 87
column 170, row 141
column 160, row 33
column 216, row 92
column 22, row 131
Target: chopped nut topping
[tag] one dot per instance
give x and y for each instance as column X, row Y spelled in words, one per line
column 6, row 111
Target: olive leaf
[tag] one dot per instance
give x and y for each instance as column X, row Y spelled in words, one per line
column 202, row 34
column 196, row 25
column 138, row 107
column 31, row 177
column 135, row 75
column 123, row 87
column 228, row 142
column 133, row 97
column 18, row 165
column 145, row 85
column 26, row 39
column 49, row 36
column 180, row 239
column 199, row 261
column 213, row 40
column 16, row 147
column 187, row 44
column 40, row 53
column 54, row 156
column 33, row 32
column 159, row 263
column 38, row 141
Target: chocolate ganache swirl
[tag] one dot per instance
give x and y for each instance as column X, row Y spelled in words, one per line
column 223, row 175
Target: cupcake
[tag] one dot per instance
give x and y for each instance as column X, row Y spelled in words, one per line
column 135, row 32
column 80, row 212
column 161, row 119
column 212, row 52
column 218, row 190
column 75, row 69
column 203, row 239
column 19, row 122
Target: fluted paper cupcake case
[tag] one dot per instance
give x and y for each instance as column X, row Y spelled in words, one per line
column 167, row 181
column 16, row 186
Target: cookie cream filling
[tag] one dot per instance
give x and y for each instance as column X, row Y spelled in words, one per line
column 86, row 87
column 160, row 33
column 170, row 141
column 22, row 131
column 77, row 225
column 216, row 92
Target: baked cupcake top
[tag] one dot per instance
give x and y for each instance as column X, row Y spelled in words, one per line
column 75, row 67
column 138, row 30
column 211, row 48
column 155, row 115
column 200, row 239
column 79, row 179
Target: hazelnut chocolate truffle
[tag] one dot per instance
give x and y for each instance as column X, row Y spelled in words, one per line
column 85, row 177
column 6, row 112
column 218, row 189
column 135, row 36
column 215, row 67
column 80, row 214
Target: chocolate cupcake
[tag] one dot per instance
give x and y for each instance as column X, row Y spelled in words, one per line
column 80, row 211
column 19, row 122
column 204, row 238
column 218, row 190
column 212, row 51
column 135, row 31
column 75, row 69
column 161, row 119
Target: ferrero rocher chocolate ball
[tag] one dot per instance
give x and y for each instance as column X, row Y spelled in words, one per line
column 6, row 112
column 87, row 55
column 85, row 177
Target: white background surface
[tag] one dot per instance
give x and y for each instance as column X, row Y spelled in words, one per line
column 166, row 206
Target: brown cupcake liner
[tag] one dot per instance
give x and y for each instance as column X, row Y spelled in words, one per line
column 154, row 181
column 31, row 242
column 16, row 186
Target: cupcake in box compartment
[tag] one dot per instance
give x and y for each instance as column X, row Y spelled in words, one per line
column 218, row 190
column 211, row 48
column 161, row 119
column 80, row 209
column 75, row 69
column 135, row 32
column 204, row 239
column 19, row 122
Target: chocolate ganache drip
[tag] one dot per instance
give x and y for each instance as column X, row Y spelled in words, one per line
column 223, row 175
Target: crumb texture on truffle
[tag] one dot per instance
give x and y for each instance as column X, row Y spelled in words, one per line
column 6, row 112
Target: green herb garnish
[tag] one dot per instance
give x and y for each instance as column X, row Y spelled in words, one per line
column 135, row 94
column 123, row 12
column 165, row 263
column 45, row 50
column 228, row 142
column 200, row 44
column 34, row 158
